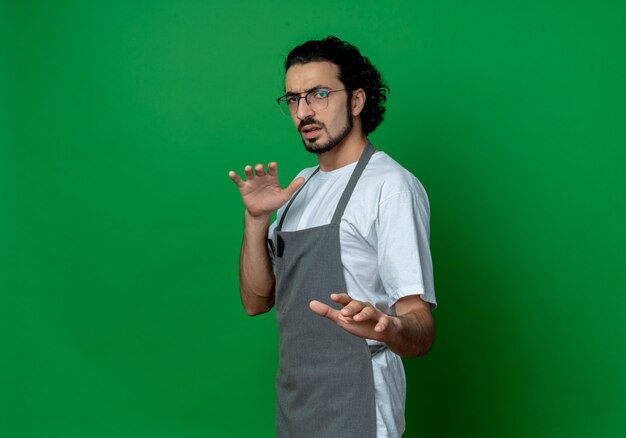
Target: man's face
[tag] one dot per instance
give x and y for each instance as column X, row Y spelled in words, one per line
column 324, row 129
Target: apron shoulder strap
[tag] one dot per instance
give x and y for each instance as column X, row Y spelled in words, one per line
column 282, row 218
column 356, row 174
column 347, row 193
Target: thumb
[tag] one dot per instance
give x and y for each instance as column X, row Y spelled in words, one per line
column 294, row 185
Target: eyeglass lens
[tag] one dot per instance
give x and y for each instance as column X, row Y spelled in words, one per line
column 316, row 99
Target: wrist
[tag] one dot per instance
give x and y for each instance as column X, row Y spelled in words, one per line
column 393, row 332
column 260, row 220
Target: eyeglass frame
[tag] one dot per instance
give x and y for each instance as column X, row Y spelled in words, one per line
column 306, row 98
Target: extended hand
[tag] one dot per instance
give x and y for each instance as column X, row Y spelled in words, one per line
column 358, row 317
column 261, row 193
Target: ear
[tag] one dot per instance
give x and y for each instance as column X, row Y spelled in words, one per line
column 358, row 101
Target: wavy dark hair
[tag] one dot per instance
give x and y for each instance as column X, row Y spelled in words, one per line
column 355, row 71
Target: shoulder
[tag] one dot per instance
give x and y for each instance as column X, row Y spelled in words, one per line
column 388, row 179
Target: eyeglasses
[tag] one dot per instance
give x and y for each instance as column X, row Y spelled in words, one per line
column 317, row 100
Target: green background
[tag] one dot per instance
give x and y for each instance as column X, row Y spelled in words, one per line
column 120, row 230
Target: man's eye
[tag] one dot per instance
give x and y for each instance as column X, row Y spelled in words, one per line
column 321, row 94
column 291, row 100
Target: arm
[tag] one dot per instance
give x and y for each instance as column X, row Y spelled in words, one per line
column 262, row 195
column 256, row 279
column 410, row 333
column 416, row 332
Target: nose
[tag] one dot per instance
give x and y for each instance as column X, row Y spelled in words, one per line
column 304, row 109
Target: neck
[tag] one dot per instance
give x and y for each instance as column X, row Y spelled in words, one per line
column 346, row 152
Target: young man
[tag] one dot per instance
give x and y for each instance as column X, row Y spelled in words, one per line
column 347, row 262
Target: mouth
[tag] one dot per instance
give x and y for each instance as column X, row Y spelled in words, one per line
column 310, row 131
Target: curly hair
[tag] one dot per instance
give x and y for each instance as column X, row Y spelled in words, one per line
column 355, row 71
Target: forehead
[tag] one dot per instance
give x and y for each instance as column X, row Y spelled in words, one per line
column 302, row 77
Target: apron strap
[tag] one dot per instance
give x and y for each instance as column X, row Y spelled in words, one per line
column 282, row 218
column 347, row 193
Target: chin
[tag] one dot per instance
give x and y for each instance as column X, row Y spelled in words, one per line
column 317, row 148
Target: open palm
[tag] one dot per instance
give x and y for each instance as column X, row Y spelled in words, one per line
column 261, row 192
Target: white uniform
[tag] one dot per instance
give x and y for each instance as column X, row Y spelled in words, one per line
column 384, row 236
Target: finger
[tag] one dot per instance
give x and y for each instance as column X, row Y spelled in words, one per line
column 259, row 169
column 248, row 172
column 235, row 178
column 272, row 169
column 343, row 298
column 324, row 310
column 294, row 185
column 367, row 313
column 382, row 324
column 352, row 308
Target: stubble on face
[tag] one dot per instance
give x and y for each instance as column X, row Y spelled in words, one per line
column 316, row 147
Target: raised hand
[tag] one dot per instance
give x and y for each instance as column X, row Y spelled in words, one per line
column 358, row 317
column 261, row 192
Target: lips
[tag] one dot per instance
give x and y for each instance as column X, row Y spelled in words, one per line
column 310, row 131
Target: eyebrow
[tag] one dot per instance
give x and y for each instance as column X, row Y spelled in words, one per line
column 316, row 87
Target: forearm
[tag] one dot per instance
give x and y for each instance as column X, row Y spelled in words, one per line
column 256, row 278
column 413, row 334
